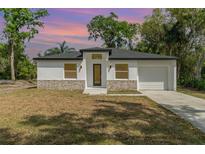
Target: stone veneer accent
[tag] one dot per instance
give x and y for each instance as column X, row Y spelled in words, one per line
column 61, row 84
column 121, row 84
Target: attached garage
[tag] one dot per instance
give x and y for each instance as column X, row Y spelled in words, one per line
column 153, row 78
column 156, row 74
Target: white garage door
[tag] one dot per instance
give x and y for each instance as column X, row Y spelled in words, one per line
column 153, row 78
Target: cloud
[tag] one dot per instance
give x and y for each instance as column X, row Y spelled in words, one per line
column 132, row 15
column 53, row 39
column 44, row 41
column 141, row 13
column 58, row 27
column 86, row 11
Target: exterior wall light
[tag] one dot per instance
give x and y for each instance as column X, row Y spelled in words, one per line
column 110, row 67
column 80, row 67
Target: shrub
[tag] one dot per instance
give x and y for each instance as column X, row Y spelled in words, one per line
column 26, row 70
column 194, row 83
column 203, row 72
column 201, row 85
column 203, row 76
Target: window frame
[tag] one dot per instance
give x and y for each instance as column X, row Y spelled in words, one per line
column 96, row 58
column 122, row 71
column 70, row 71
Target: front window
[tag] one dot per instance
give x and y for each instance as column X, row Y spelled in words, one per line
column 121, row 71
column 70, row 71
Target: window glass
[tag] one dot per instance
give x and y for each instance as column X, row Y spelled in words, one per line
column 121, row 71
column 70, row 71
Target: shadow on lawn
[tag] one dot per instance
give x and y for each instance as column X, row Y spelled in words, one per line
column 111, row 123
column 191, row 113
column 7, row 137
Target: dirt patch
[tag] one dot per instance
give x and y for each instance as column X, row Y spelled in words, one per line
column 7, row 86
column 192, row 92
column 124, row 92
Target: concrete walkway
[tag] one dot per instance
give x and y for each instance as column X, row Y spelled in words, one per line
column 95, row 91
column 188, row 107
column 125, row 95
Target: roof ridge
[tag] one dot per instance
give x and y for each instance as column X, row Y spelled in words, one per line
column 114, row 53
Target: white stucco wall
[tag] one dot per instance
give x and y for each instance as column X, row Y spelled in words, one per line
column 134, row 66
column 54, row 69
column 132, row 69
column 87, row 57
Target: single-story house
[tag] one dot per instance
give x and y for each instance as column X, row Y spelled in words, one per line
column 108, row 68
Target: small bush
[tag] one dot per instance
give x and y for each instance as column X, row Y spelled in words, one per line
column 26, row 70
column 201, row 85
column 203, row 72
column 203, row 76
column 194, row 83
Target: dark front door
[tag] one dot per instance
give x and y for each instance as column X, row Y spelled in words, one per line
column 97, row 74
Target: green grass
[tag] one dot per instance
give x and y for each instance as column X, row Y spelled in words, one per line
column 192, row 92
column 124, row 92
column 34, row 116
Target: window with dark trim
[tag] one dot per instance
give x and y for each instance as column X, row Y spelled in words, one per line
column 96, row 56
column 70, row 71
column 121, row 71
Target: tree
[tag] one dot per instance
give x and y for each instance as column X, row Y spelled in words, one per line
column 62, row 48
column 177, row 32
column 3, row 61
column 2, row 58
column 158, row 34
column 114, row 33
column 25, row 69
column 20, row 25
column 191, row 22
column 203, row 71
column 200, row 63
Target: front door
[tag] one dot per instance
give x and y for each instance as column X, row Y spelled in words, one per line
column 97, row 74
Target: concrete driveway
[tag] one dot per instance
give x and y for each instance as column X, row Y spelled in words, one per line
column 188, row 107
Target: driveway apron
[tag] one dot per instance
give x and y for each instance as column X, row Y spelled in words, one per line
column 188, row 107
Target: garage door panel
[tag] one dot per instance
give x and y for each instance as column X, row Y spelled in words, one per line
column 153, row 85
column 153, row 78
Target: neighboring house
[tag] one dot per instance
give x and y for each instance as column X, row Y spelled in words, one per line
column 108, row 68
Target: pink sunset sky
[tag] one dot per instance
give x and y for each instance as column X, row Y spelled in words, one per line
column 70, row 25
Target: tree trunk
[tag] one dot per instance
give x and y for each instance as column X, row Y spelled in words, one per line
column 198, row 73
column 199, row 66
column 12, row 61
column 130, row 44
column 178, row 70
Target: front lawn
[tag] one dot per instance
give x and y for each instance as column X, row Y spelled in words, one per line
column 192, row 92
column 33, row 116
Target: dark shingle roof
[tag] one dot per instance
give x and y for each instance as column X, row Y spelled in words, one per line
column 114, row 54
column 134, row 55
column 96, row 49
column 72, row 55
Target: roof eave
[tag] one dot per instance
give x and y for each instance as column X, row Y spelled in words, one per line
column 142, row 58
column 57, row 58
column 94, row 50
